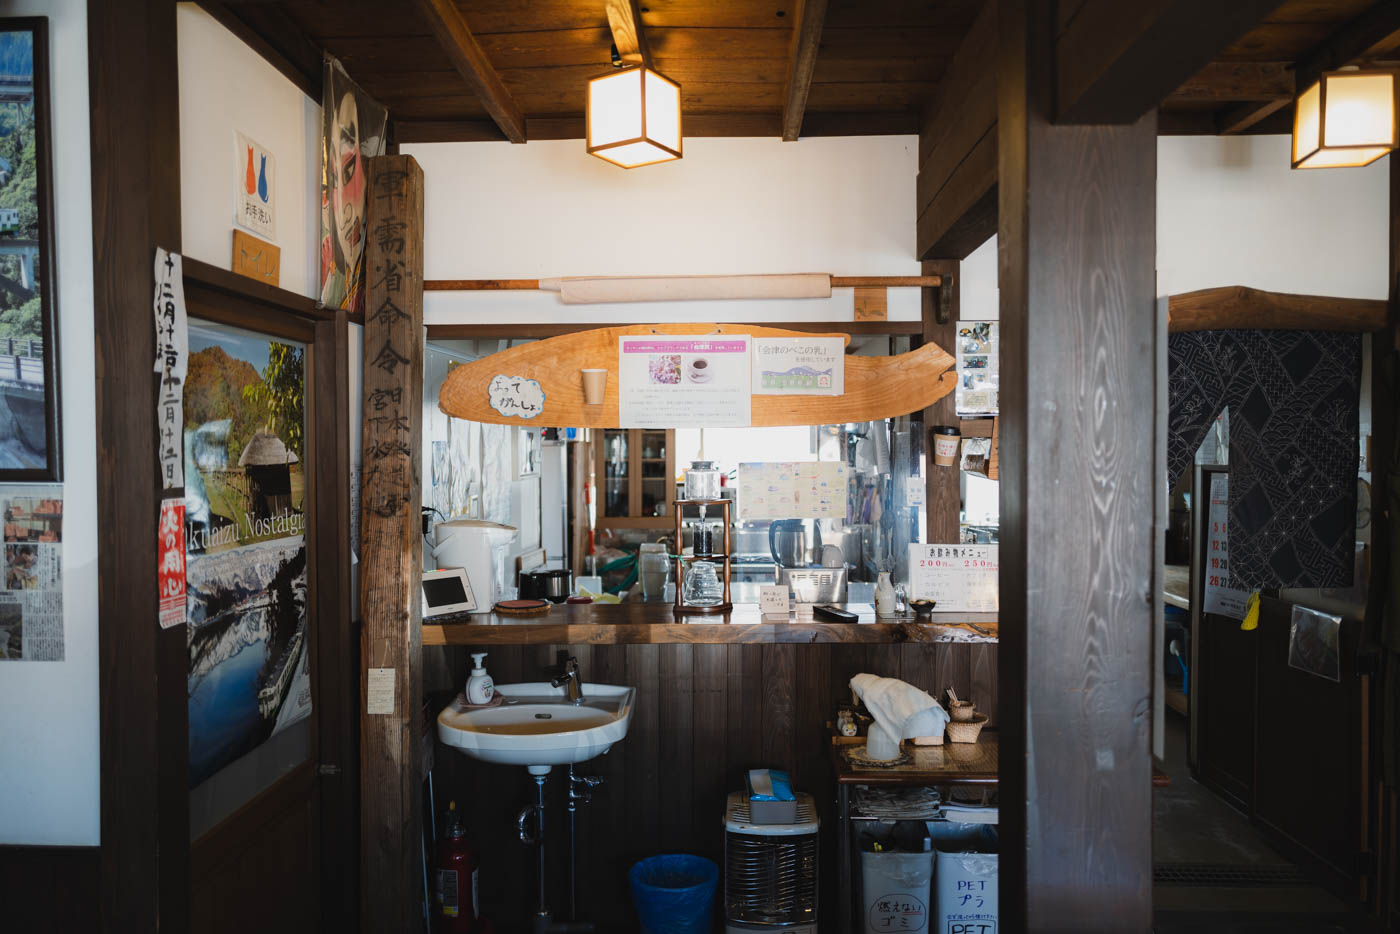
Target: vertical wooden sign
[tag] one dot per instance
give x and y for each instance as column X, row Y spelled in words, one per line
column 391, row 550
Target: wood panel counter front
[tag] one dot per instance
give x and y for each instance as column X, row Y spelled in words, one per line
column 655, row 623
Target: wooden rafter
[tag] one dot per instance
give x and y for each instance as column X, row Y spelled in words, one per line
column 1243, row 116
column 1239, row 306
column 625, row 21
column 471, row 62
column 802, row 59
column 957, row 183
column 1238, row 81
column 1118, row 61
column 1374, row 31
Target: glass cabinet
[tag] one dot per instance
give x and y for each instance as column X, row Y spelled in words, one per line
column 635, row 472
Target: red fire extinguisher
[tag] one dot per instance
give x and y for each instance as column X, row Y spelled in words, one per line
column 456, row 878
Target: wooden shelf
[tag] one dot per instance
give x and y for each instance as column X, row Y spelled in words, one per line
column 655, row 623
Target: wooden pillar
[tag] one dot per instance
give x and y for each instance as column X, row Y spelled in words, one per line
column 942, row 493
column 142, row 669
column 1077, row 243
column 391, row 555
column 336, row 642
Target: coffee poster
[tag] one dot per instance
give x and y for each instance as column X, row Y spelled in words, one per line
column 683, row 381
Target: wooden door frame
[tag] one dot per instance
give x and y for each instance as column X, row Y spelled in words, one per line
column 143, row 869
column 133, row 80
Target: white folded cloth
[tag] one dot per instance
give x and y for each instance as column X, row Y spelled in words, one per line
column 900, row 711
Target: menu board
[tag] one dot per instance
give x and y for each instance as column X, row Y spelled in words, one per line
column 792, row 490
column 1221, row 595
column 683, row 381
column 960, row 578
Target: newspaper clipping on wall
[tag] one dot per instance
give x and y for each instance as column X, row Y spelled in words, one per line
column 31, row 603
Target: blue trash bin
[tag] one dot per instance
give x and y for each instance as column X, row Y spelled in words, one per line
column 674, row 893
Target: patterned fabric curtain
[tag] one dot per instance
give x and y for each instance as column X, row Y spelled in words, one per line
column 1294, row 399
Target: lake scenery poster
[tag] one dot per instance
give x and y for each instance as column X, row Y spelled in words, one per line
column 245, row 497
column 28, row 369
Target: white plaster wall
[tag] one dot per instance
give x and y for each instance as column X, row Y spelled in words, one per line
column 1231, row 212
column 843, row 205
column 225, row 87
column 49, row 743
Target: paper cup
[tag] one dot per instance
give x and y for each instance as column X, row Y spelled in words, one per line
column 594, row 384
column 945, row 445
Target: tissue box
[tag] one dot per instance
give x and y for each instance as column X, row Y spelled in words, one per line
column 771, row 800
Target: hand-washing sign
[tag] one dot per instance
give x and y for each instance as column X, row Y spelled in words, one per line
column 516, row 395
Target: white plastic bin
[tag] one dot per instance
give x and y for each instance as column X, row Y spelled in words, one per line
column 966, row 898
column 896, row 890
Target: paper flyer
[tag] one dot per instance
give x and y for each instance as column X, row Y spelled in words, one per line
column 799, row 366
column 683, row 381
column 977, row 355
column 31, row 603
column 792, row 490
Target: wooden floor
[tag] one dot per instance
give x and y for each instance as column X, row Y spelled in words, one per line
column 705, row 714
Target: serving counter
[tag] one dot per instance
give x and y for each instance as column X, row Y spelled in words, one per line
column 656, row 624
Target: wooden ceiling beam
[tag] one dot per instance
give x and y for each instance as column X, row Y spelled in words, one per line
column 1243, row 116
column 570, row 126
column 273, row 34
column 957, row 185
column 625, row 21
column 1238, row 81
column 802, row 60
column 1373, row 32
column 472, row 64
column 1117, row 61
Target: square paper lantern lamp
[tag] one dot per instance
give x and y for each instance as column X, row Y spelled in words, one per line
column 1346, row 118
column 634, row 117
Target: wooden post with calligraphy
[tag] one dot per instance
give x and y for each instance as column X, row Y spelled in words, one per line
column 391, row 550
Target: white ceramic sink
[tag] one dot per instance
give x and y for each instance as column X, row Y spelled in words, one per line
column 536, row 725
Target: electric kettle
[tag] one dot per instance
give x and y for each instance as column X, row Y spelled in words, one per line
column 787, row 541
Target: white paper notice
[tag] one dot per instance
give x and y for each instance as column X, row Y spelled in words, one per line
column 793, row 490
column 172, row 363
column 683, row 381
column 1221, row 596
column 799, row 366
column 914, row 489
column 379, row 693
column 773, row 600
column 961, row 578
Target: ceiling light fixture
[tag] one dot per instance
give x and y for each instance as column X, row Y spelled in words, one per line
column 634, row 117
column 1344, row 119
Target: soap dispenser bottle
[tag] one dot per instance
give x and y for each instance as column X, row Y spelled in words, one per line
column 480, row 688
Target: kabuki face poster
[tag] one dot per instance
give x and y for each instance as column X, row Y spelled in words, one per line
column 353, row 127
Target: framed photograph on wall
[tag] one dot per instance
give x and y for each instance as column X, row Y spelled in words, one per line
column 29, row 389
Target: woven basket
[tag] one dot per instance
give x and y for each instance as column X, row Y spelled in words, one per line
column 963, row 711
column 966, row 732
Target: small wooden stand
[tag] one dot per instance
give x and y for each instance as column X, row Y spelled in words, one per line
column 681, row 607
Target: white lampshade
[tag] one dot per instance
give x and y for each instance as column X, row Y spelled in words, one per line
column 634, row 117
column 1346, row 118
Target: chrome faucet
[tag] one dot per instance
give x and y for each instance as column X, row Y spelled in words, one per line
column 571, row 677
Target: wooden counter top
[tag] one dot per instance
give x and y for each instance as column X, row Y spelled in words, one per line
column 655, row 623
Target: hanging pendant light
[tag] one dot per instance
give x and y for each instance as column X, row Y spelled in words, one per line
column 634, row 117
column 1346, row 118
